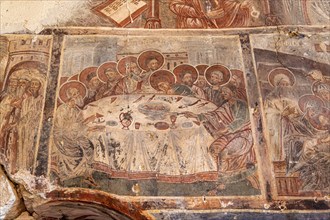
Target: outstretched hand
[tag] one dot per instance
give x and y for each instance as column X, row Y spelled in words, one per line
column 97, row 128
column 190, row 115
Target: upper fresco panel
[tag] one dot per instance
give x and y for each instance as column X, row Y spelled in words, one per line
column 156, row 14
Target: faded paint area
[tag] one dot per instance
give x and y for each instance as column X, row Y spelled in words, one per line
column 34, row 16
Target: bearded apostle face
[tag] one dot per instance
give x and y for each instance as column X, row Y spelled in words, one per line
column 216, row 77
column 226, row 93
column 34, row 87
column 12, row 86
column 187, row 79
column 165, row 87
column 318, row 117
column 152, row 64
column 236, row 81
column 134, row 70
column 112, row 75
column 201, row 83
column 313, row 112
column 22, row 86
column 94, row 83
column 74, row 97
column 282, row 80
column 284, row 83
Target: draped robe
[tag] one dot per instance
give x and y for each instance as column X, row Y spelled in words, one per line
column 191, row 14
column 75, row 149
column 232, row 148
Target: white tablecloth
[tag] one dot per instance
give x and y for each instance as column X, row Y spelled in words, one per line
column 146, row 152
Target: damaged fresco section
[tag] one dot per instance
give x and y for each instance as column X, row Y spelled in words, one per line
column 147, row 116
column 11, row 203
column 294, row 80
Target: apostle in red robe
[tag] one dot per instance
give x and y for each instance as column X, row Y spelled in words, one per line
column 212, row 13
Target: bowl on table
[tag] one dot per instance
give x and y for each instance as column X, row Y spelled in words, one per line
column 154, row 110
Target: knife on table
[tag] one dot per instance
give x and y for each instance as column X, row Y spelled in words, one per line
column 151, row 98
column 139, row 99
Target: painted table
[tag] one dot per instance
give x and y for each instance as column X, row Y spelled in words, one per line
column 148, row 136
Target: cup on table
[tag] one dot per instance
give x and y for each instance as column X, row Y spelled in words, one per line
column 137, row 125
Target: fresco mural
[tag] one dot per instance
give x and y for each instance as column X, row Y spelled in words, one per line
column 153, row 116
column 167, row 109
column 301, row 11
column 24, row 66
column 165, row 122
column 192, row 14
column 165, row 14
column 295, row 88
column 181, row 13
column 162, row 14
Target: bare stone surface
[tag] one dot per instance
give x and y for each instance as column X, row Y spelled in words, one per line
column 11, row 203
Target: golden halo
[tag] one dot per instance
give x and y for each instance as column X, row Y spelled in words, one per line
column 161, row 76
column 71, row 84
column 182, row 68
column 103, row 67
column 317, row 86
column 311, row 100
column 281, row 70
column 83, row 76
column 121, row 66
column 144, row 56
column 218, row 67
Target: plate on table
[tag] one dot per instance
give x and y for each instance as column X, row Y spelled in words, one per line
column 187, row 124
column 162, row 125
column 154, row 110
column 112, row 123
